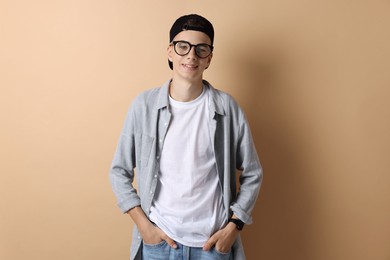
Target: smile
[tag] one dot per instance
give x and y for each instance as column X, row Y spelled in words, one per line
column 190, row 66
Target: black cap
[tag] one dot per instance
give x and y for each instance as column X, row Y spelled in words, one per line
column 192, row 22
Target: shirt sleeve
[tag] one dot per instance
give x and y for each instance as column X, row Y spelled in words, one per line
column 123, row 165
column 247, row 161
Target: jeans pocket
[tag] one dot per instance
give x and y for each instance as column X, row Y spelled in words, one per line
column 155, row 251
column 222, row 255
column 160, row 244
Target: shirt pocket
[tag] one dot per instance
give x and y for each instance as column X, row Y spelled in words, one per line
column 144, row 144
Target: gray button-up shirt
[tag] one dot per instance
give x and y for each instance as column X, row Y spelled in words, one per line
column 140, row 146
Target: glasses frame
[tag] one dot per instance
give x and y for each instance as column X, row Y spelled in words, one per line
column 193, row 45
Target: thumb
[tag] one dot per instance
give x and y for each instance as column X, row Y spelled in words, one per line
column 209, row 244
column 167, row 239
column 170, row 242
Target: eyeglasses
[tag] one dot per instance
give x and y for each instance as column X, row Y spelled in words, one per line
column 202, row 50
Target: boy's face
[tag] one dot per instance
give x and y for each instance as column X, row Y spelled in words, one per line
column 189, row 67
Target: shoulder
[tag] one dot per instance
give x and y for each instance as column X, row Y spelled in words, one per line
column 155, row 97
column 147, row 96
column 224, row 99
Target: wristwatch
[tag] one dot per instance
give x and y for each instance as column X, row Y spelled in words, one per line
column 239, row 223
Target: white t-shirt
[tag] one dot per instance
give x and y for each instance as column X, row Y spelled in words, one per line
column 188, row 203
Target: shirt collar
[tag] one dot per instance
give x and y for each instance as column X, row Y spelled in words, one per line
column 163, row 96
column 216, row 104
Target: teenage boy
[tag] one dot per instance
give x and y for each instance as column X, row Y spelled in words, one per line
column 186, row 140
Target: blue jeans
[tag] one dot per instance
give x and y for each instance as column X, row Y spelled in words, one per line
column 163, row 251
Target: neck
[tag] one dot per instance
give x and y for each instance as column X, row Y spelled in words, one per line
column 185, row 91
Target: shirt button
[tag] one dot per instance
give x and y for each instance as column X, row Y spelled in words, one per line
column 158, row 157
column 155, row 176
column 160, row 140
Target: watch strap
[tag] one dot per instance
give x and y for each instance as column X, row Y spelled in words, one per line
column 239, row 224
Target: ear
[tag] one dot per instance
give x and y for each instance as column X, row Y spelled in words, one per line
column 169, row 52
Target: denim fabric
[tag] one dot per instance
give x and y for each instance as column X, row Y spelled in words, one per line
column 163, row 251
column 141, row 143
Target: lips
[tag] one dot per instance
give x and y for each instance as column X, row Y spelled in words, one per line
column 190, row 66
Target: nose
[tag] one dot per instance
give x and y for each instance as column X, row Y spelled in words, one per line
column 192, row 53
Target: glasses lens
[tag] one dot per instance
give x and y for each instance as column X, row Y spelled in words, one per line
column 203, row 50
column 182, row 48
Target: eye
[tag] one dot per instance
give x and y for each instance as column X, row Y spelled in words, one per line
column 183, row 46
column 203, row 48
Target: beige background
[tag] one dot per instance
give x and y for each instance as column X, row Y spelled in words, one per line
column 312, row 76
